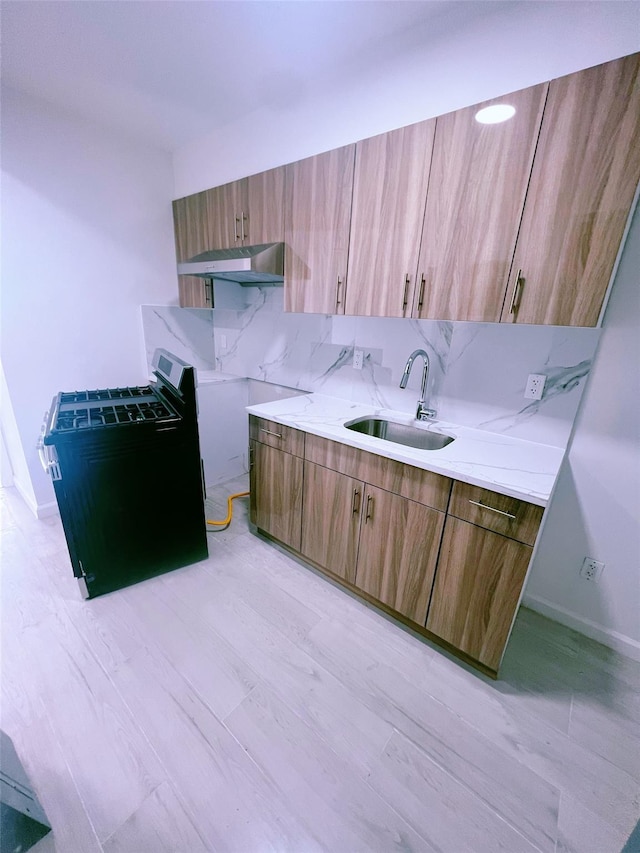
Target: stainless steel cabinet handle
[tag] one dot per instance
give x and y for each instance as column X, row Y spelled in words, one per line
column 243, row 219
column 407, row 279
column 338, row 294
column 515, row 301
column 269, row 432
column 208, row 292
column 369, row 514
column 421, row 294
column 237, row 234
column 355, row 505
column 492, row 509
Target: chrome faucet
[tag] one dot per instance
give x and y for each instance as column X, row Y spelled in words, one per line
column 423, row 413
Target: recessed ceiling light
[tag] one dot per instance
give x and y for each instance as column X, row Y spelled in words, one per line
column 495, row 114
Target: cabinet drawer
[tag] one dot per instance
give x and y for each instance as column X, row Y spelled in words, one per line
column 509, row 516
column 405, row 480
column 276, row 435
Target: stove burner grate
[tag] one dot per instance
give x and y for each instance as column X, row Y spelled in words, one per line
column 70, row 419
column 105, row 394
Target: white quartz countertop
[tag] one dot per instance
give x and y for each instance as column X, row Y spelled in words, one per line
column 510, row 466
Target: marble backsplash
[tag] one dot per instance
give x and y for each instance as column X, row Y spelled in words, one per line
column 478, row 370
column 187, row 333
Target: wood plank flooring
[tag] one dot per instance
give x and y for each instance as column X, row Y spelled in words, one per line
column 246, row 704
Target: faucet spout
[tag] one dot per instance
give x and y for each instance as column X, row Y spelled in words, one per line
column 423, row 413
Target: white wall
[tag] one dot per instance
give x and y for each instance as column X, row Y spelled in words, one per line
column 494, row 49
column 595, row 510
column 87, row 237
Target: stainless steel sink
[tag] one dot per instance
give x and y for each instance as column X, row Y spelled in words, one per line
column 400, row 433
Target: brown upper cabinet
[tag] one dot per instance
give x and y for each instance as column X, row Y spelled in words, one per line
column 317, row 216
column 190, row 223
column 389, row 194
column 583, row 182
column 477, row 188
column 227, row 215
column 247, row 212
column 242, row 213
column 519, row 222
column 264, row 214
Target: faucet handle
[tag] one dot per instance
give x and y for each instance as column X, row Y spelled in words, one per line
column 423, row 413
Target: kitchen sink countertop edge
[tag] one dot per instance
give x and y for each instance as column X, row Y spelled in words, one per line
column 511, row 466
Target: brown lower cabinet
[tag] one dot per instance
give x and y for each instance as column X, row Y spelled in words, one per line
column 332, row 504
column 477, row 589
column 276, row 493
column 444, row 556
column 399, row 541
column 384, row 544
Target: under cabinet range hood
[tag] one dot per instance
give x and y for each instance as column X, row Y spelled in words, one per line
column 246, row 265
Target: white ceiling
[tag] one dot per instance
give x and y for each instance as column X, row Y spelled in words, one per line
column 164, row 71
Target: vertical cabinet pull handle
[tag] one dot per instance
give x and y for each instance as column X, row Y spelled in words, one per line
column 339, row 292
column 369, row 513
column 355, row 505
column 515, row 300
column 237, row 229
column 243, row 219
column 208, row 292
column 421, row 294
column 407, row 279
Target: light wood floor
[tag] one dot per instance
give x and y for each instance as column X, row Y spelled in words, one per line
column 247, row 704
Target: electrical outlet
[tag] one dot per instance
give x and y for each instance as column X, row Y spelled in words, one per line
column 591, row 569
column 358, row 359
column 535, row 386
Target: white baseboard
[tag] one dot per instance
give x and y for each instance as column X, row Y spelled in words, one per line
column 45, row 510
column 39, row 510
column 613, row 639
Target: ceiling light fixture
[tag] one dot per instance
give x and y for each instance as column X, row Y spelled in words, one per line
column 495, row 114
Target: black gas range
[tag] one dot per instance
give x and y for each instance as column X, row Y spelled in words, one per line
column 126, row 469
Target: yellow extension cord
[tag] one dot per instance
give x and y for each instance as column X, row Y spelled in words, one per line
column 229, row 509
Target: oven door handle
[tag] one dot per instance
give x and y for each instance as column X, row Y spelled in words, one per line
column 48, row 456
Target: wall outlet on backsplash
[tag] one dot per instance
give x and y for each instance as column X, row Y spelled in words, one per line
column 358, row 359
column 535, row 386
column 591, row 569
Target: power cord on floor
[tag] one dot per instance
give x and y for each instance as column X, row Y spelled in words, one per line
column 227, row 521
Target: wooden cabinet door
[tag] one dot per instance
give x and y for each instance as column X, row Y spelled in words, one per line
column 331, row 519
column 399, row 543
column 226, row 215
column 584, row 177
column 190, row 225
column 477, row 186
column 477, row 590
column 317, row 215
column 264, row 217
column 389, row 194
column 276, row 493
column 191, row 232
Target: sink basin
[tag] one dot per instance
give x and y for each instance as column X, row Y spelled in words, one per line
column 400, row 433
